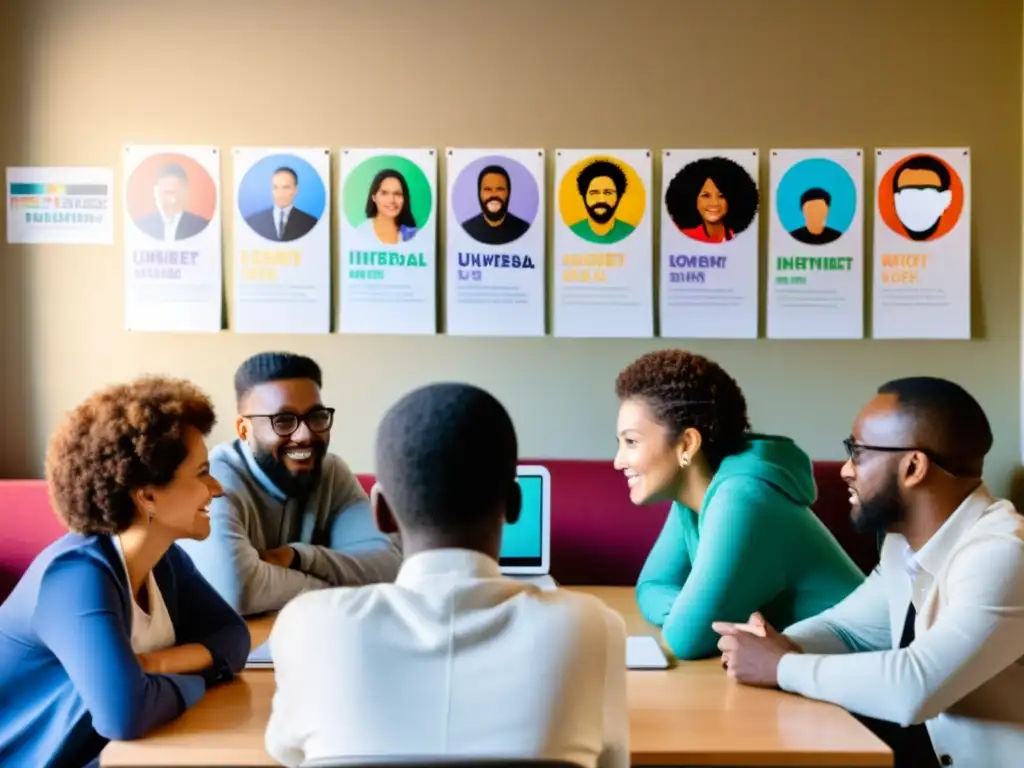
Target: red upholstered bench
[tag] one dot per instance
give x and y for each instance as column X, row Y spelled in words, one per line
column 597, row 535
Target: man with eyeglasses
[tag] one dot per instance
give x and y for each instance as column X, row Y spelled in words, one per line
column 293, row 517
column 929, row 651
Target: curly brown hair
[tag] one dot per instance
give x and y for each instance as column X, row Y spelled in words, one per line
column 685, row 390
column 120, row 439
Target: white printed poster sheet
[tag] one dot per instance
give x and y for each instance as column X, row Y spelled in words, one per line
column 172, row 238
column 388, row 258
column 282, row 240
column 816, row 244
column 922, row 267
column 495, row 268
column 68, row 206
column 709, row 244
column 603, row 262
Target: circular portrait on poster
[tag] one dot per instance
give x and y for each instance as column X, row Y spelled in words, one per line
column 388, row 196
column 921, row 197
column 712, row 199
column 602, row 199
column 816, row 201
column 495, row 200
column 170, row 197
column 282, row 197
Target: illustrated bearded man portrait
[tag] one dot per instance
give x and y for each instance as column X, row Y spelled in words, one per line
column 602, row 185
column 495, row 224
column 921, row 195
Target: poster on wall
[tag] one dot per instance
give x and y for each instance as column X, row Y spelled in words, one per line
column 709, row 244
column 816, row 244
column 282, row 240
column 67, row 206
column 603, row 264
column 172, row 237
column 922, row 267
column 495, row 269
column 388, row 259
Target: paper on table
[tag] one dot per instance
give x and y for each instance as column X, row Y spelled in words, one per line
column 643, row 652
column 259, row 657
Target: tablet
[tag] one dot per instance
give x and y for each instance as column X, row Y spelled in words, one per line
column 643, row 652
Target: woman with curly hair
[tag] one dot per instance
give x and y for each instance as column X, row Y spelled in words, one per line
column 740, row 537
column 112, row 632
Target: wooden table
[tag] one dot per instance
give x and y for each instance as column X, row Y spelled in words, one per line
column 689, row 715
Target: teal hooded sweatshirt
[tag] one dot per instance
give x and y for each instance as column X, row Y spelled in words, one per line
column 755, row 545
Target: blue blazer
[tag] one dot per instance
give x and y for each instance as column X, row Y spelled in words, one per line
column 69, row 680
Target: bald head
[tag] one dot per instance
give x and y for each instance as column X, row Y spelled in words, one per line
column 933, row 415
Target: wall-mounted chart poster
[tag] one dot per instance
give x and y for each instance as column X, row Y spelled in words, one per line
column 495, row 270
column 816, row 244
column 922, row 275
column 388, row 258
column 70, row 206
column 603, row 265
column 173, row 278
column 709, row 234
column 282, row 245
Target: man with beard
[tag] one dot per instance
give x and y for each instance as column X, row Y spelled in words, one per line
column 293, row 517
column 601, row 185
column 927, row 652
column 494, row 225
column 921, row 195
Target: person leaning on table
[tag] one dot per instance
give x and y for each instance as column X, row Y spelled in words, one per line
column 112, row 632
column 928, row 651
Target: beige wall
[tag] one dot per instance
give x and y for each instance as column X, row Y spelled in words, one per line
column 83, row 78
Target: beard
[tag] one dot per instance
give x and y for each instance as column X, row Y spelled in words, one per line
column 291, row 484
column 882, row 511
column 497, row 215
column 601, row 212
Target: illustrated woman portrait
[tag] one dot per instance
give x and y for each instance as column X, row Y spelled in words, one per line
column 389, row 208
column 712, row 199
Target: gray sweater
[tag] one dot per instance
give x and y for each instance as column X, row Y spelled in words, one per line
column 334, row 535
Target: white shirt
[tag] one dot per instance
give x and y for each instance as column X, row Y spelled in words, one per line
column 281, row 219
column 151, row 631
column 170, row 227
column 963, row 674
column 451, row 660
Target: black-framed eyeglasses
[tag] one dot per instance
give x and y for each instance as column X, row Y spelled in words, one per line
column 855, row 449
column 318, row 420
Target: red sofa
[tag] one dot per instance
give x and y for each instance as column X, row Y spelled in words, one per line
column 597, row 536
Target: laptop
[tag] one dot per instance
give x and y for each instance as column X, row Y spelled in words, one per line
column 526, row 544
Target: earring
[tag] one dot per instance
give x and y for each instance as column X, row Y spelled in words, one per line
column 684, row 461
column 150, row 511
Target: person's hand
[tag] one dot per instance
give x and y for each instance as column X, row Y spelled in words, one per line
column 280, row 556
column 751, row 651
column 150, row 664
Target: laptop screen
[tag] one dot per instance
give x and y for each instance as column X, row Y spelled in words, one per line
column 521, row 541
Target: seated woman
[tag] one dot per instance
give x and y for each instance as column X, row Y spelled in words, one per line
column 740, row 536
column 112, row 632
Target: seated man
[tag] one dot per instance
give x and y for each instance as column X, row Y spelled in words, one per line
column 293, row 516
column 452, row 660
column 927, row 652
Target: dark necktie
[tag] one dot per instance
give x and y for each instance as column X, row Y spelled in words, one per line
column 280, row 227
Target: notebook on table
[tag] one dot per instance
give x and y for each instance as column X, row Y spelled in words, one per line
column 644, row 652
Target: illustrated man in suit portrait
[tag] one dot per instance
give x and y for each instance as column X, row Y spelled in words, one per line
column 283, row 221
column 815, row 204
column 602, row 185
column 171, row 221
column 494, row 225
